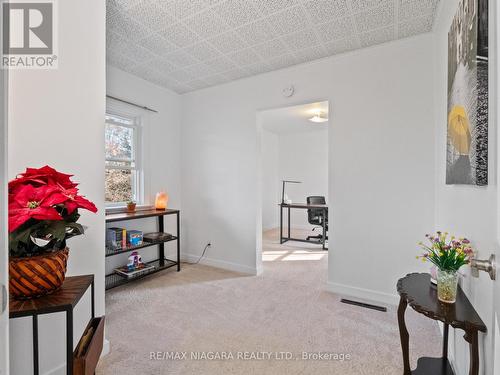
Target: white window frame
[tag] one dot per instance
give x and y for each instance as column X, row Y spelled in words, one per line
column 137, row 153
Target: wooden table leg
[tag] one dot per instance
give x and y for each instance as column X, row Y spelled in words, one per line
column 405, row 338
column 471, row 338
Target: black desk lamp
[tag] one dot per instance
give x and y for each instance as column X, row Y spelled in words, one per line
column 283, row 191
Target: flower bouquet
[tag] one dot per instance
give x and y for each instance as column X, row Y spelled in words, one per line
column 448, row 254
column 43, row 214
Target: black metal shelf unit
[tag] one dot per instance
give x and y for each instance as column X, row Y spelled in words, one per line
column 114, row 280
column 160, row 264
column 111, row 252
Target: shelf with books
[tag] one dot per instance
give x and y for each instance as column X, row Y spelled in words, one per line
column 111, row 252
column 157, row 239
column 114, row 279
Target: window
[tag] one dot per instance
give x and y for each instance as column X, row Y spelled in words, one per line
column 123, row 172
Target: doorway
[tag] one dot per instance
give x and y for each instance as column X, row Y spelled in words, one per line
column 294, row 149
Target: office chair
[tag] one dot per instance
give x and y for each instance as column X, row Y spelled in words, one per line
column 315, row 216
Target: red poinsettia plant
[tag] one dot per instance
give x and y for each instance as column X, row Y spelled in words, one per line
column 43, row 211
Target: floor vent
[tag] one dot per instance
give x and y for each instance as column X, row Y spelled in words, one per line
column 365, row 305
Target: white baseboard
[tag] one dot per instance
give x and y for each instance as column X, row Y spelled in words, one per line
column 260, row 269
column 270, row 227
column 297, row 226
column 106, row 348
column 304, row 227
column 367, row 295
column 59, row 370
column 230, row 266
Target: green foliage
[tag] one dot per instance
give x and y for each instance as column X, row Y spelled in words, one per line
column 447, row 254
column 56, row 232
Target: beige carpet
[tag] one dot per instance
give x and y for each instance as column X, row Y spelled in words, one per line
column 287, row 309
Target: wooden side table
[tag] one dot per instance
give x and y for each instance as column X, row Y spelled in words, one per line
column 417, row 291
column 62, row 300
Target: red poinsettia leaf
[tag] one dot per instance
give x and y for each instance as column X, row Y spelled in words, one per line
column 46, row 171
column 42, row 176
column 54, row 198
column 32, row 171
column 85, row 203
column 71, row 206
column 15, row 221
column 14, row 184
column 58, row 177
column 45, row 213
column 14, row 208
column 37, row 193
column 11, row 199
column 24, row 195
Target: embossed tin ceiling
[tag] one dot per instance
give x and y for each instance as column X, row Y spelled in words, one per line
column 186, row 45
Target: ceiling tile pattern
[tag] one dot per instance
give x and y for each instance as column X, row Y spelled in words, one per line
column 187, row 45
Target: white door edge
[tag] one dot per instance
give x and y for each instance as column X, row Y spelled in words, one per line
column 4, row 313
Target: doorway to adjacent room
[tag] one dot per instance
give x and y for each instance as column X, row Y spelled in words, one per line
column 294, row 187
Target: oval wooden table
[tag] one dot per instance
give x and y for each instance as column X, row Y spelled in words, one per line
column 416, row 290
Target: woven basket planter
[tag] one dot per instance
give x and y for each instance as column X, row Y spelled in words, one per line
column 31, row 277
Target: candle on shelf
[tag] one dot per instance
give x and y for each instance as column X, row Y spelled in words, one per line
column 161, row 200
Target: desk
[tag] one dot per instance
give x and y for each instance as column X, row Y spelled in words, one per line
column 63, row 300
column 302, row 206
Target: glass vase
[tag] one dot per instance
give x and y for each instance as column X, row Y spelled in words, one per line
column 447, row 283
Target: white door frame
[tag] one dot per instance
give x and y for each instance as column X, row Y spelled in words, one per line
column 4, row 314
column 494, row 92
column 494, row 57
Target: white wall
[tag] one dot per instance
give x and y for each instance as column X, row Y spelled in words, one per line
column 56, row 118
column 293, row 156
column 161, row 149
column 381, row 170
column 466, row 210
column 270, row 180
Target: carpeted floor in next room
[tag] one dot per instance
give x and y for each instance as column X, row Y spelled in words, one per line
column 286, row 309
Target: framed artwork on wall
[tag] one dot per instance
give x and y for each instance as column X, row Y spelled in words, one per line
column 467, row 123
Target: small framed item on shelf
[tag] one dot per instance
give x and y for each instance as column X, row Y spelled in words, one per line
column 134, row 237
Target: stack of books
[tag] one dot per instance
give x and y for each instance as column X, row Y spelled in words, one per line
column 120, row 238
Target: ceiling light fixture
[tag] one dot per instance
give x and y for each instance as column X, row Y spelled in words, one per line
column 318, row 117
